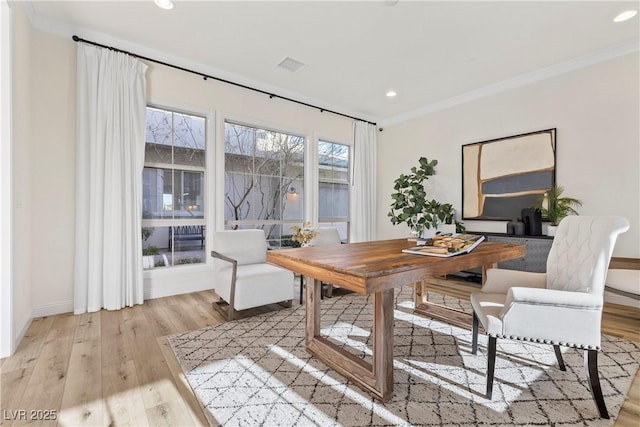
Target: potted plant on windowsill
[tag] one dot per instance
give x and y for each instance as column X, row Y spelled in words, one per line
column 410, row 201
column 554, row 207
column 149, row 252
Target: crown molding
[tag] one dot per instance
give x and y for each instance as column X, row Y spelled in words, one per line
column 63, row 30
column 522, row 80
column 51, row 26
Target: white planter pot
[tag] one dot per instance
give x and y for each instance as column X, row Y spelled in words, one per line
column 148, row 261
column 551, row 230
column 429, row 232
column 447, row 228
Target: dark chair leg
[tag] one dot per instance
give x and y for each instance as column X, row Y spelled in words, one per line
column 491, row 365
column 301, row 287
column 591, row 368
column 474, row 334
column 556, row 348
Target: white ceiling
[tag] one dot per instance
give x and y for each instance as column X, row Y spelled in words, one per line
column 432, row 53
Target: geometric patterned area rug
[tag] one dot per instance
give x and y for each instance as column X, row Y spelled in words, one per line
column 256, row 372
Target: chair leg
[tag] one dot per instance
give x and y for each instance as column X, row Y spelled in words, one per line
column 556, row 348
column 591, row 369
column 329, row 290
column 225, row 309
column 301, row 287
column 491, row 365
column 474, row 334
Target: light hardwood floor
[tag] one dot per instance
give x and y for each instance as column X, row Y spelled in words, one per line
column 116, row 368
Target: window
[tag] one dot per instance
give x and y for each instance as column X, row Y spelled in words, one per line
column 264, row 181
column 333, row 191
column 173, row 214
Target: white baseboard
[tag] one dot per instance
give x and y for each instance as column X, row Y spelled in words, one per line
column 622, row 300
column 52, row 308
column 22, row 331
column 152, row 292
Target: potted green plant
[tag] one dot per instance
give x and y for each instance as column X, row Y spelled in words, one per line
column 410, row 198
column 148, row 252
column 554, row 207
column 442, row 217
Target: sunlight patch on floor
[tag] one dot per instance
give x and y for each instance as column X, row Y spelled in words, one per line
column 350, row 393
column 254, row 377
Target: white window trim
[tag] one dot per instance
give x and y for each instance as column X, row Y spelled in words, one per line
column 317, row 180
column 210, row 193
column 274, row 127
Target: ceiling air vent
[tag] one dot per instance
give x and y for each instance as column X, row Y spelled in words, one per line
column 291, row 64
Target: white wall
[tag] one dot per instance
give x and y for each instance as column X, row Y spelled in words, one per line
column 597, row 115
column 595, row 110
column 7, row 342
column 51, row 167
column 21, row 191
column 52, row 172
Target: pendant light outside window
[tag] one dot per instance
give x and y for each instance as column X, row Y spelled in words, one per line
column 164, row 4
column 624, row 16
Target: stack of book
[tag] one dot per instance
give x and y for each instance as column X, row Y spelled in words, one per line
column 447, row 245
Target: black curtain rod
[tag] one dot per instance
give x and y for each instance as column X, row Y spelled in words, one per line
column 205, row 76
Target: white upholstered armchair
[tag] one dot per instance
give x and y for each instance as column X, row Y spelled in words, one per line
column 562, row 307
column 243, row 278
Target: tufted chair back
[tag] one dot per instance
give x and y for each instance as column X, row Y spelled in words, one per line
column 581, row 251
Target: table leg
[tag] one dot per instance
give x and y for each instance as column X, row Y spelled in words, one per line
column 374, row 378
column 484, row 271
column 432, row 310
column 383, row 341
column 313, row 299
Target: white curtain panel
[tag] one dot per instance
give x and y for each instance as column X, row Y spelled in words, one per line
column 109, row 163
column 363, row 183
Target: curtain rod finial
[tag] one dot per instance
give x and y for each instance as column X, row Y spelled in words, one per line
column 75, row 38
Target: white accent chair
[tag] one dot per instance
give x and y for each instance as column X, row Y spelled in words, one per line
column 326, row 236
column 243, row 278
column 562, row 307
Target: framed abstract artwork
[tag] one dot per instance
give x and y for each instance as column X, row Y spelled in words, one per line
column 502, row 176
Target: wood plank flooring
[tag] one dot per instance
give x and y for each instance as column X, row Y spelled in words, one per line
column 116, row 368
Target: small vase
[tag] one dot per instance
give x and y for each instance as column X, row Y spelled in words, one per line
column 447, row 228
column 306, row 245
column 429, row 233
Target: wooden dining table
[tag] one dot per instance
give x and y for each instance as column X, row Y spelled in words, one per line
column 377, row 268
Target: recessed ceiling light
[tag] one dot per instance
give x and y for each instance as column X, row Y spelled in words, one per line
column 625, row 15
column 391, row 94
column 165, row 4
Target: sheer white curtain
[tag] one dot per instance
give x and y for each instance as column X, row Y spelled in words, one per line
column 363, row 183
column 109, row 163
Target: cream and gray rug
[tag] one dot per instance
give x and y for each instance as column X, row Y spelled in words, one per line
column 256, row 372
